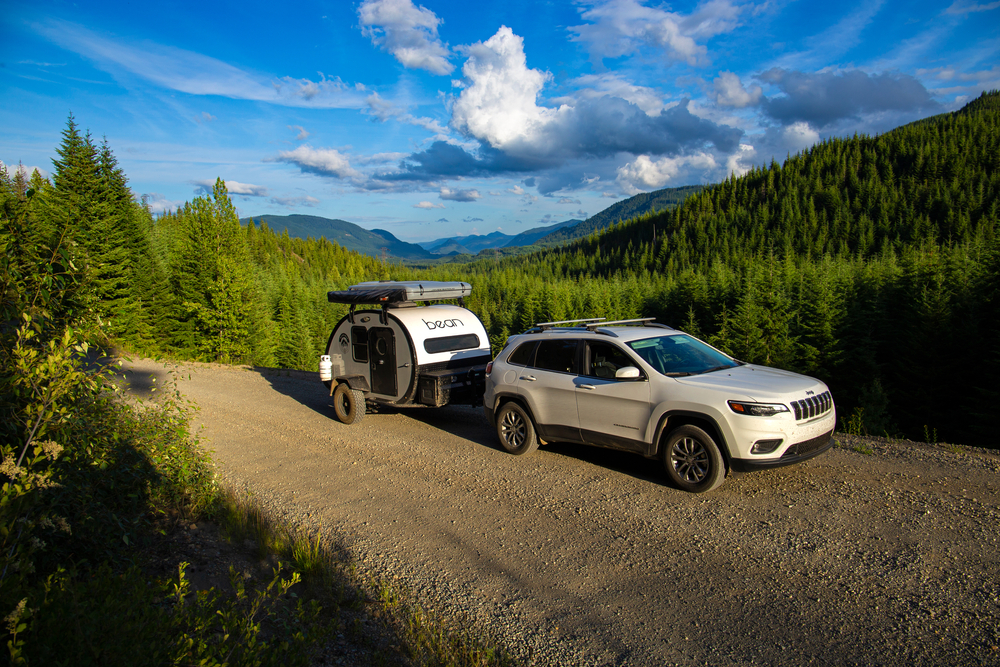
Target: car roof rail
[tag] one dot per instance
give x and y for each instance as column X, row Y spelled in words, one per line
column 646, row 322
column 545, row 326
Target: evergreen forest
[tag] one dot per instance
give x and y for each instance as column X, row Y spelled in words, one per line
column 872, row 263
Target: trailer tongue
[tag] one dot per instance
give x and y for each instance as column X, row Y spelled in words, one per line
column 405, row 354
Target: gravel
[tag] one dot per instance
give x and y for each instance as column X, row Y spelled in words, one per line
column 876, row 551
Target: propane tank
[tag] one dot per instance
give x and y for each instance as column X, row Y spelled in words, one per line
column 325, row 368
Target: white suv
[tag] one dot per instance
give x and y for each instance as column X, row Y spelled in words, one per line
column 644, row 387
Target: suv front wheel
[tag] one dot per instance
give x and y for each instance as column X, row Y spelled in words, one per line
column 692, row 459
column 516, row 430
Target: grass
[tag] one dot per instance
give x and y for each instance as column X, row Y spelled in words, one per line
column 83, row 515
column 406, row 631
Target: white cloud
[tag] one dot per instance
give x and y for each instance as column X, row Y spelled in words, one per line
column 234, row 187
column 197, row 74
column 384, row 110
column 516, row 190
column 729, row 92
column 25, row 170
column 322, row 161
column 961, row 8
column 459, row 195
column 644, row 174
column 598, row 85
column 159, row 204
column 295, row 201
column 428, row 205
column 407, row 32
column 499, row 105
column 303, row 133
column 620, row 27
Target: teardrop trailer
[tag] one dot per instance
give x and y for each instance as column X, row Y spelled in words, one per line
column 404, row 354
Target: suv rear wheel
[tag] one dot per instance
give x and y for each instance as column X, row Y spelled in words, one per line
column 515, row 429
column 692, row 459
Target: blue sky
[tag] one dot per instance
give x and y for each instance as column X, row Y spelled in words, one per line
column 449, row 118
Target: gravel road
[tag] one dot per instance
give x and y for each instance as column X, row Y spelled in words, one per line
column 581, row 556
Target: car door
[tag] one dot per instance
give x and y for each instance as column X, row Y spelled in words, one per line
column 614, row 412
column 548, row 386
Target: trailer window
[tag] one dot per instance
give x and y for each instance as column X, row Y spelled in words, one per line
column 359, row 343
column 451, row 343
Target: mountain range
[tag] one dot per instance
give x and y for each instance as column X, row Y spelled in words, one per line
column 379, row 242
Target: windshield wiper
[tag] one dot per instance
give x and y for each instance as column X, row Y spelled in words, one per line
column 717, row 368
column 678, row 374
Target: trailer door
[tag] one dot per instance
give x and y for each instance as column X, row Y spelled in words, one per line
column 382, row 352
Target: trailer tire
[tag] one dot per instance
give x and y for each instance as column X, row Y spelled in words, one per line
column 348, row 404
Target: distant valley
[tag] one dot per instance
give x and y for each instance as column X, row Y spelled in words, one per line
column 379, row 242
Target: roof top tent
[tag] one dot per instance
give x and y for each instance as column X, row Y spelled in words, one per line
column 404, row 353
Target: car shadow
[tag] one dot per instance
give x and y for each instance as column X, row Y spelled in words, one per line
column 626, row 463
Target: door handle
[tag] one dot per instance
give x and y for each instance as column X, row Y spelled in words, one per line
column 529, row 378
column 586, row 386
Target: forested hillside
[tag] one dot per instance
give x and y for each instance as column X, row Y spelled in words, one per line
column 191, row 284
column 870, row 262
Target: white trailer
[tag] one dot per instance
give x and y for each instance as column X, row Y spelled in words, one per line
column 404, row 353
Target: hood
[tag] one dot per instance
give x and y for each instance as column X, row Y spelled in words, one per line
column 756, row 383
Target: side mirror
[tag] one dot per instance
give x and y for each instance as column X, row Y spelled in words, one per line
column 627, row 373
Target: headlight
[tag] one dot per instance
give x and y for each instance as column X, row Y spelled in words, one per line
column 757, row 409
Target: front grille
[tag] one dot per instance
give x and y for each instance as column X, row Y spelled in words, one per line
column 812, row 406
column 807, row 447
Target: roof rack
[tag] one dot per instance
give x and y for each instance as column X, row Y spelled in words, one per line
column 645, row 322
column 548, row 325
column 596, row 325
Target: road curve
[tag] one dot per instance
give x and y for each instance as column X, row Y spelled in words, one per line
column 574, row 555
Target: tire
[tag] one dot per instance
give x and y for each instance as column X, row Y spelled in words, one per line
column 516, row 430
column 348, row 404
column 693, row 460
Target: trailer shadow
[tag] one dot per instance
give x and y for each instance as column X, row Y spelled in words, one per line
column 462, row 421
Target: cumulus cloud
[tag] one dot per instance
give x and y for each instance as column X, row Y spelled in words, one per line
column 823, row 98
column 408, row 32
column 728, row 91
column 303, row 133
column 570, row 200
column 499, row 107
column 320, row 161
column 205, row 187
column 459, row 195
column 644, row 174
column 621, row 27
column 499, row 104
column 427, row 204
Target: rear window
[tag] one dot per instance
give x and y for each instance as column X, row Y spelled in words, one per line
column 522, row 355
column 556, row 355
column 451, row 343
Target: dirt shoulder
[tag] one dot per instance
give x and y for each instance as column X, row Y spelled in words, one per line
column 574, row 555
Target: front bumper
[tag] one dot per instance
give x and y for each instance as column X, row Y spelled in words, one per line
column 797, row 453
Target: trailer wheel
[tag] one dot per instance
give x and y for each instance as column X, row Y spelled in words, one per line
column 348, row 404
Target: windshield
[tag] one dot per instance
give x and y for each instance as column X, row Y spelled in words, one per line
column 681, row 355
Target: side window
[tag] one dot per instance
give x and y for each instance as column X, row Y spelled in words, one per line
column 603, row 359
column 522, row 355
column 557, row 355
column 359, row 343
column 451, row 343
